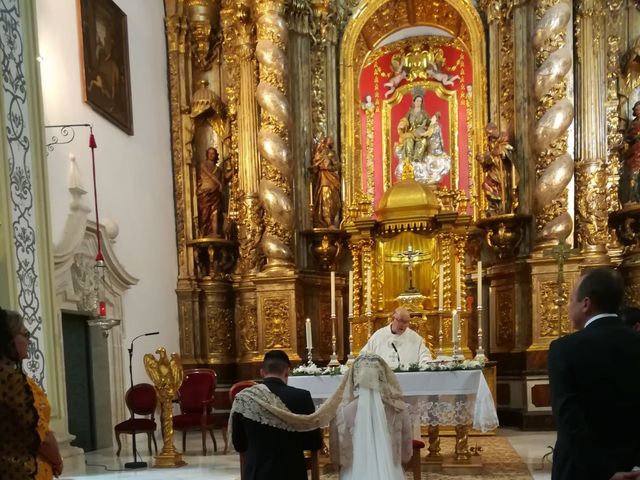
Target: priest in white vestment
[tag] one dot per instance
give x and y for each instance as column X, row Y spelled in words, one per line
column 397, row 344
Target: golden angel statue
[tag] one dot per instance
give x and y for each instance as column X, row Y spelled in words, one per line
column 166, row 375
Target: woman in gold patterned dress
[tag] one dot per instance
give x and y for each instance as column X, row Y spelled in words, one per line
column 28, row 449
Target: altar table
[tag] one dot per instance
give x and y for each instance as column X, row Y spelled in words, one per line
column 458, row 397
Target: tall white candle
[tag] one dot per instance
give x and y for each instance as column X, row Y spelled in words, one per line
column 308, row 332
column 454, row 326
column 351, row 293
column 333, row 294
column 459, row 285
column 479, row 284
column 311, row 194
column 441, row 288
column 368, row 290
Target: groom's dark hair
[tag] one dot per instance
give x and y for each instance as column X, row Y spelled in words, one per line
column 276, row 362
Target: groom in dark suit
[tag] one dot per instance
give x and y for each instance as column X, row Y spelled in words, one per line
column 594, row 375
column 272, row 453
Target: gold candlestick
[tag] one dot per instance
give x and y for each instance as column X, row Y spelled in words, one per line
column 350, row 358
column 457, row 351
column 166, row 376
column 333, row 362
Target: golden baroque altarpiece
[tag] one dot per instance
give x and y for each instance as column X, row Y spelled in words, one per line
column 402, row 140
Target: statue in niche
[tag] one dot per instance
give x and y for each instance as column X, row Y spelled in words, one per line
column 420, row 143
column 367, row 104
column 415, row 145
column 630, row 178
column 501, row 177
column 212, row 177
column 326, row 191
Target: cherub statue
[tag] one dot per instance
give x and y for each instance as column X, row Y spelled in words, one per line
column 399, row 74
column 500, row 184
column 444, row 78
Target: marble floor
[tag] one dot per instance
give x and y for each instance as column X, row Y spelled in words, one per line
column 531, row 446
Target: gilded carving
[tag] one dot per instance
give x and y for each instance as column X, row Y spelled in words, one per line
column 356, row 255
column 592, row 205
column 247, row 322
column 176, row 32
column 369, row 108
column 276, row 328
column 205, row 38
column 548, row 309
column 505, row 320
column 251, row 257
column 324, row 329
column 614, row 131
column 220, row 338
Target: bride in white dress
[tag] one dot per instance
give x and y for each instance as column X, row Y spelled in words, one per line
column 371, row 436
column 370, row 431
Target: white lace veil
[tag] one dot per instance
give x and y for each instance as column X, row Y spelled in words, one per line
column 369, row 371
column 372, row 449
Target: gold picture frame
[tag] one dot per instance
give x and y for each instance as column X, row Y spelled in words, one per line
column 105, row 61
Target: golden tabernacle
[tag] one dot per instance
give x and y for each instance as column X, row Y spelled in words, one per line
column 464, row 160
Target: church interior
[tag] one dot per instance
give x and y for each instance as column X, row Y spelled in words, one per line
column 238, row 176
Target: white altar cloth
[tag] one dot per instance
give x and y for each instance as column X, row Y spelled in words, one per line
column 459, row 397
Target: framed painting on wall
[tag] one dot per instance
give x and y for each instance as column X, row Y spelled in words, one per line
column 105, row 59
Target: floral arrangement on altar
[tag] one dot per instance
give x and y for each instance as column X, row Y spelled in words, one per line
column 446, row 365
column 310, row 369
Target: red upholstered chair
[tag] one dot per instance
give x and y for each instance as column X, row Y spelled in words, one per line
column 414, row 464
column 236, row 388
column 195, row 396
column 141, row 399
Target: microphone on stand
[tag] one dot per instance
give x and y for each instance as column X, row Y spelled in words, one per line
column 135, row 463
column 396, row 350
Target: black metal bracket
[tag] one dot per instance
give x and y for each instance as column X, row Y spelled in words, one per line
column 65, row 135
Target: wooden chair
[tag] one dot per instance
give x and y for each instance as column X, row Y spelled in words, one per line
column 195, row 397
column 414, row 464
column 311, row 457
column 141, row 399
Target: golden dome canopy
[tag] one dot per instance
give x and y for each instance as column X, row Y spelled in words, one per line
column 407, row 205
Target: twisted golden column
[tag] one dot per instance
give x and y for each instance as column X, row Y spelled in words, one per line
column 273, row 137
column 554, row 116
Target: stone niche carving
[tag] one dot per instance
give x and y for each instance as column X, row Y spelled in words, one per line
column 74, row 258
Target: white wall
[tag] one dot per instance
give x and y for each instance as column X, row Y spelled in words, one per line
column 135, row 186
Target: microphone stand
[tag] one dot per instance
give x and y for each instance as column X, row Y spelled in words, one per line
column 135, row 464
